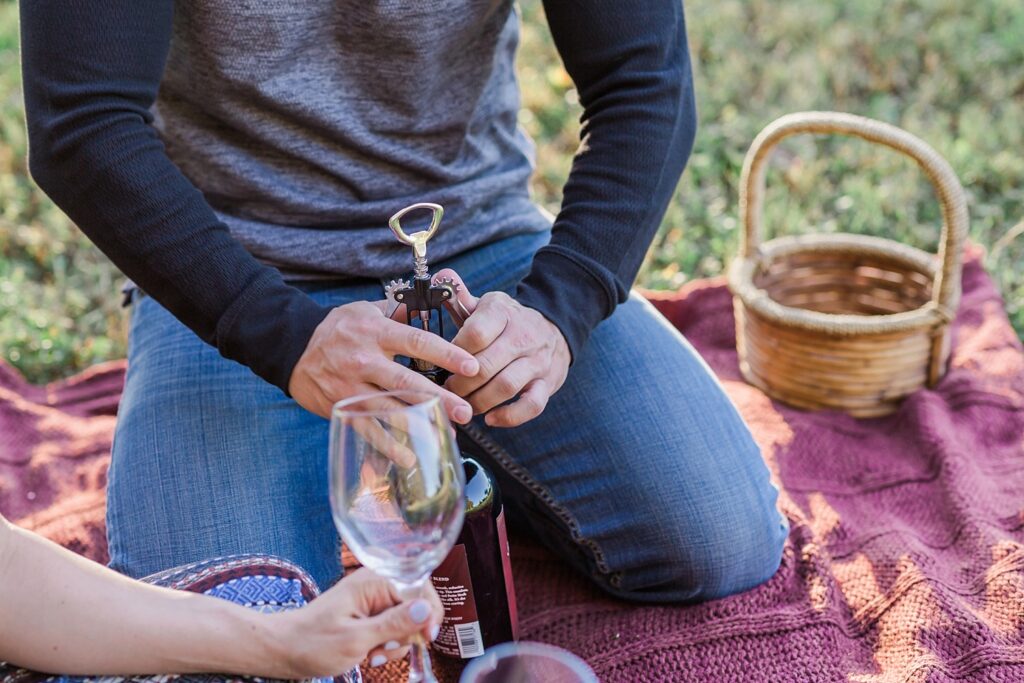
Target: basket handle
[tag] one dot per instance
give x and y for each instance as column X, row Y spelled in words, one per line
column 946, row 288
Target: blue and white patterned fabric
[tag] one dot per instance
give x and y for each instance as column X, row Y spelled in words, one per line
column 260, row 592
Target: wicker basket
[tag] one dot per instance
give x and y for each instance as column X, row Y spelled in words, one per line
column 841, row 321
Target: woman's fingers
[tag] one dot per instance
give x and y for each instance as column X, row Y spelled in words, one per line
column 437, row 614
column 436, row 608
column 389, row 652
column 370, row 620
column 401, row 622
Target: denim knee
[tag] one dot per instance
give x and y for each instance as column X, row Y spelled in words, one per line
column 714, row 553
column 737, row 560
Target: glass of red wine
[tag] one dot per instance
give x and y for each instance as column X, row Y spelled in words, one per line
column 527, row 662
column 397, row 491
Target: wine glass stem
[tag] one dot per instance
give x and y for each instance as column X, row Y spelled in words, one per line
column 420, row 670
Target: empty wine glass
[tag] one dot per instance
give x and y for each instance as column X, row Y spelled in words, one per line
column 397, row 485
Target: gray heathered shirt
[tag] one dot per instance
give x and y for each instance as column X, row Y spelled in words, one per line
column 297, row 118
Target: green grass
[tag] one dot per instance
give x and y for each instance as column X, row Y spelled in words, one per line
column 948, row 74
column 58, row 302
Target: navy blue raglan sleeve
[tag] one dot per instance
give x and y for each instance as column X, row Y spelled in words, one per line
column 630, row 63
column 91, row 71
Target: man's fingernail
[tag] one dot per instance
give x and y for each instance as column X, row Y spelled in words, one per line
column 434, row 630
column 392, row 645
column 463, row 414
column 419, row 611
column 378, row 660
column 470, row 368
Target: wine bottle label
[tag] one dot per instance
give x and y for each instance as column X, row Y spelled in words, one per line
column 506, row 566
column 460, row 634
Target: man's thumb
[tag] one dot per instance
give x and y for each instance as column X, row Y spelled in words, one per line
column 400, row 622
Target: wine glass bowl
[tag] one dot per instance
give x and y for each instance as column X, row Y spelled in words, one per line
column 528, row 662
column 397, row 489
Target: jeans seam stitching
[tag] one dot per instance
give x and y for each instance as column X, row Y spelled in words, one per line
column 518, row 472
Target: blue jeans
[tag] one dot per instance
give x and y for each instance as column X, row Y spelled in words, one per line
column 640, row 472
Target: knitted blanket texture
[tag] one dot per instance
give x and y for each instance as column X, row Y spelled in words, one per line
column 905, row 561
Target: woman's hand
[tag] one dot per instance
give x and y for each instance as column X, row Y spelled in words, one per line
column 361, row 617
column 521, row 354
column 352, row 352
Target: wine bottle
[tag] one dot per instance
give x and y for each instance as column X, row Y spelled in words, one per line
column 475, row 580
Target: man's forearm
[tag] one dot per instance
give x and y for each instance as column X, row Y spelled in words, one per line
column 62, row 613
column 630, row 62
column 91, row 72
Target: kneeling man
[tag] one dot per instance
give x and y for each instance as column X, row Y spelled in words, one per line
column 239, row 161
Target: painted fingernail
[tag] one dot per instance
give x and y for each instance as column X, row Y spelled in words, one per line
column 463, row 414
column 470, row 368
column 378, row 660
column 419, row 611
column 392, row 645
column 434, row 630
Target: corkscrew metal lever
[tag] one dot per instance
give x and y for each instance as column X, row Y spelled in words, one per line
column 422, row 297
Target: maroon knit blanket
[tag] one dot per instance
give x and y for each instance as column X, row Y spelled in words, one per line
column 905, row 561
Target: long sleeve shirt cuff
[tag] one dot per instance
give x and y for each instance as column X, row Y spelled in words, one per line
column 269, row 327
column 568, row 292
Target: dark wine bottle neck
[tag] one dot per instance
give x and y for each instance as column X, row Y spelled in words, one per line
column 480, row 489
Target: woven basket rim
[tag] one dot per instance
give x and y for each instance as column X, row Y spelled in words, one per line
column 759, row 302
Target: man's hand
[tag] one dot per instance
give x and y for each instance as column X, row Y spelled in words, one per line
column 521, row 353
column 352, row 352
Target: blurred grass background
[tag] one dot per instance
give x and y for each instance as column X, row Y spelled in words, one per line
column 945, row 70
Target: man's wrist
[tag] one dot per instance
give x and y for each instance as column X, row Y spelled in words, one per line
column 563, row 340
column 561, row 344
column 269, row 328
column 568, row 293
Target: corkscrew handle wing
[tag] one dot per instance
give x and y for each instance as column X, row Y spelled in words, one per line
column 456, row 309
